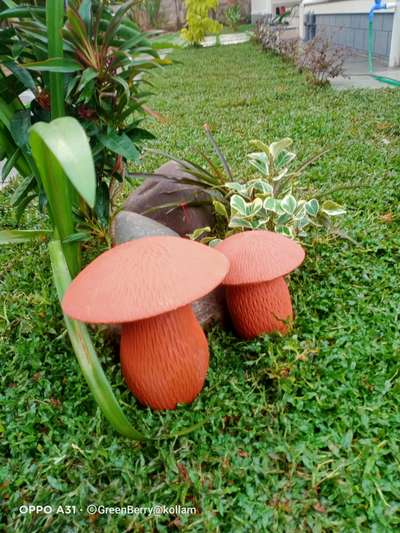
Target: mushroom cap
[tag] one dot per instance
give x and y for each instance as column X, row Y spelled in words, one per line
column 258, row 256
column 144, row 278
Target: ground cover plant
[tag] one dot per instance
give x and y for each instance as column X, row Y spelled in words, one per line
column 267, row 200
column 294, row 434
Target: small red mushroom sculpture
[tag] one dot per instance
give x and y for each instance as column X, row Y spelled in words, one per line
column 257, row 296
column 148, row 286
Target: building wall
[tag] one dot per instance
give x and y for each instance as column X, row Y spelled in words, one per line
column 320, row 7
column 172, row 14
column 260, row 8
column 351, row 31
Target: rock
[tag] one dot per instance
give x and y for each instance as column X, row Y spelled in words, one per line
column 129, row 226
column 211, row 309
column 156, row 191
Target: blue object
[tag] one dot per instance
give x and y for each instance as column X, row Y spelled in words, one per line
column 378, row 5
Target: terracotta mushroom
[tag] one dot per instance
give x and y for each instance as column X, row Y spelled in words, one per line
column 257, row 296
column 148, row 286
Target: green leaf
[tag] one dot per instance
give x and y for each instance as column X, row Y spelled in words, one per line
column 279, row 146
column 102, row 207
column 20, row 236
column 289, row 204
column 79, row 236
column 86, row 354
column 22, row 75
column 116, row 21
column 55, row 64
column 332, row 209
column 284, row 159
column 218, row 151
column 20, row 12
column 283, row 219
column 262, row 223
column 238, row 205
column 260, row 161
column 302, row 222
column 85, row 11
column 214, row 242
column 237, row 222
column 9, row 165
column 312, row 207
column 88, row 75
column 199, row 232
column 284, row 230
column 67, row 141
column 237, row 187
column 120, row 144
column 259, row 185
column 220, row 209
column 272, row 204
column 254, row 207
column 55, row 13
column 22, row 205
column 19, row 127
column 22, row 190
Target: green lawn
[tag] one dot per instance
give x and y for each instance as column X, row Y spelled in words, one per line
column 300, row 433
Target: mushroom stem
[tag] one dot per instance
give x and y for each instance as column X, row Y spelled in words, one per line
column 164, row 359
column 258, row 308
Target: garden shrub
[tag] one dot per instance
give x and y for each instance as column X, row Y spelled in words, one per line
column 273, row 38
column 106, row 61
column 199, row 24
column 317, row 57
column 322, row 60
column 233, row 16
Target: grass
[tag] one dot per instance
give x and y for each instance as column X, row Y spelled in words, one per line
column 297, row 433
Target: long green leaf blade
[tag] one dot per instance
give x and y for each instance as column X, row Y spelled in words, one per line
column 86, row 354
column 59, row 193
column 21, row 12
column 16, row 236
column 54, row 65
column 68, row 143
column 55, row 23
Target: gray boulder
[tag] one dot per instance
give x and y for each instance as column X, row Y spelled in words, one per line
column 129, row 226
column 156, row 190
column 211, row 309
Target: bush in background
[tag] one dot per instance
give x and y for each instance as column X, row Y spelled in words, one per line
column 322, row 60
column 198, row 22
column 318, row 57
column 233, row 16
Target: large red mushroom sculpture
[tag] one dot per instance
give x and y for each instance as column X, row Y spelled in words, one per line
column 257, row 296
column 148, row 285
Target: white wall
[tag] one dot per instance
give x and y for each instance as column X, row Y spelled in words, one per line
column 324, row 7
column 261, row 7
